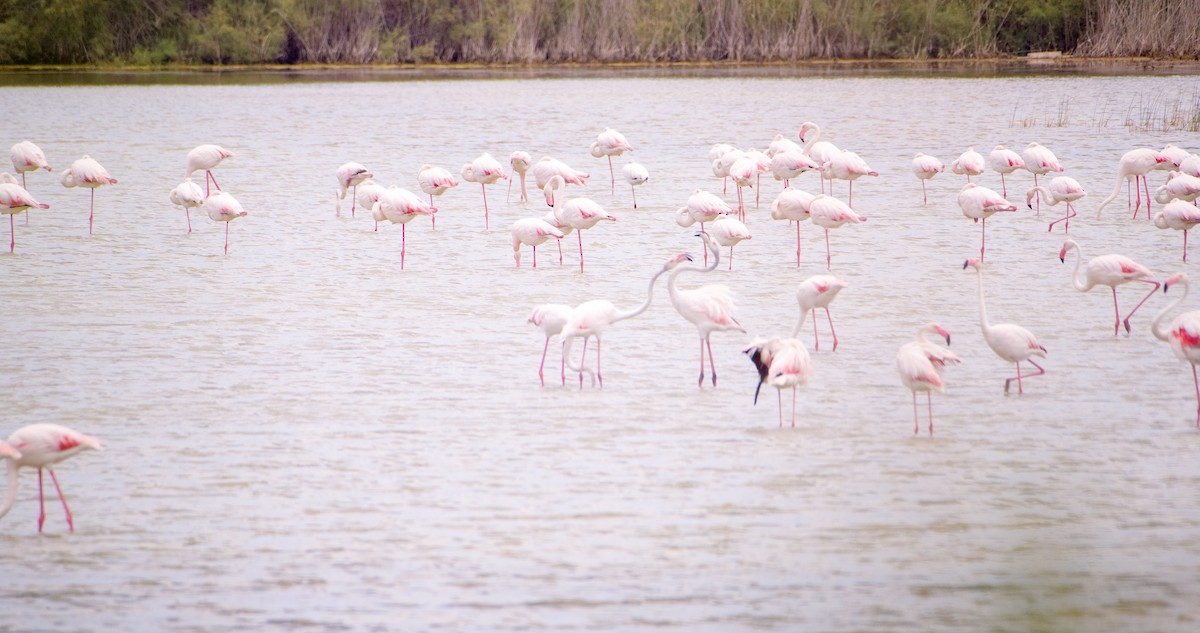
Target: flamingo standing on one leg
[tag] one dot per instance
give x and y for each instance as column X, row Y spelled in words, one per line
column 788, row 164
column 188, row 195
column 1005, row 161
column 1061, row 189
column 520, row 163
column 368, row 193
column 484, row 170
column 830, row 213
column 534, row 232
column 86, row 172
column 1179, row 215
column 979, row 204
column 1111, row 271
column 1135, row 164
column 578, row 213
column 206, row 157
column 702, row 206
column 925, row 167
column 969, row 163
column 13, row 200
column 400, row 206
column 1039, row 161
column 721, row 156
column 349, row 177
column 709, row 307
column 434, row 181
column 920, row 365
column 222, row 207
column 636, row 175
column 610, row 143
column 1010, row 342
column 727, row 230
column 42, row 446
column 793, row 205
column 742, row 172
column 28, row 157
column 781, row 363
column 1183, row 333
column 815, row 292
column 848, row 166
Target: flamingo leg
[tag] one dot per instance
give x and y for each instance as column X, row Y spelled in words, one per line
column 758, row 188
column 579, row 233
column 506, row 193
column 63, row 498
column 583, row 359
column 701, row 381
column 1135, row 308
column 226, row 238
column 1196, row 380
column 92, row 211
column 403, row 243
column 816, row 340
column 1039, row 200
column 634, row 190
column 535, row 256
column 354, row 199
column 924, row 201
column 1117, row 311
column 711, row 363
column 559, row 242
column 1018, row 379
column 612, row 190
column 1146, row 184
column 828, row 257
column 188, row 213
column 12, row 232
column 833, row 331
column 741, row 209
column 545, row 348
column 41, row 503
column 706, row 248
column 599, row 376
column 929, row 400
column 779, row 392
column 524, row 198
column 433, row 216
column 1004, row 185
column 1066, row 218
column 485, row 207
column 982, row 237
column 916, row 419
column 208, row 173
column 730, row 258
column 1185, row 232
column 797, row 245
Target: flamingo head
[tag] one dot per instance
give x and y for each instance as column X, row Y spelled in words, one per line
column 6, row 450
column 677, row 260
column 973, row 263
column 940, row 331
column 1174, row 279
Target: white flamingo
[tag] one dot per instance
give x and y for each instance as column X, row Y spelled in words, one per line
column 1010, row 342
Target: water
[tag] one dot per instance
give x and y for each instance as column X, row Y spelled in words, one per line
column 302, row 436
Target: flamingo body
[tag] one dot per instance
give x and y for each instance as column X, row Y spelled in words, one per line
column 818, row 291
column 969, row 163
column 830, row 213
column 926, row 167
column 1179, row 215
column 635, row 175
column 42, row 446
column 1009, row 341
column 188, row 195
column 920, row 364
column 1108, row 270
column 533, row 232
column 781, row 363
column 1183, row 333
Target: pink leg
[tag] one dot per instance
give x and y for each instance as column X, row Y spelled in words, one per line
column 1117, row 311
column 433, row 216
column 916, row 419
column 1039, row 201
column 1197, row 383
column 925, row 200
column 41, row 503
column 828, row 257
column 579, row 234
column 599, row 376
column 63, row 498
column 535, row 256
column 758, row 188
column 929, row 400
column 816, row 340
column 559, row 252
column 730, row 258
column 1146, row 184
column 711, row 363
column 706, row 247
column 1004, row 185
column 563, row 362
column 833, row 331
column 403, row 243
column 188, row 213
column 701, row 381
column 353, row 199
column 92, row 211
column 634, row 191
column 793, row 407
column 982, row 237
column 485, row 207
column 1138, row 203
column 1144, row 299
column 226, row 238
column 583, row 359
column 798, row 244
column 1066, row 218
column 1185, row 232
column 545, row 348
column 209, row 174
column 741, row 209
column 12, row 232
column 612, row 190
column 779, row 392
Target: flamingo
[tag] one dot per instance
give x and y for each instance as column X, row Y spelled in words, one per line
column 742, row 171
column 980, row 203
column 578, row 213
column 820, row 151
column 206, row 157
column 520, row 163
column 400, row 206
column 925, row 167
column 484, row 170
column 709, row 307
column 1039, row 161
column 719, row 169
column 1190, row 165
column 566, row 229
column 13, row 200
column 592, row 318
column 1061, row 189
column 781, row 363
column 368, row 193
column 86, row 172
column 1111, row 271
column 1179, row 215
column 788, row 164
column 548, row 167
column 782, row 144
column 42, row 446
column 434, row 181
column 534, row 232
column 1183, row 333
column 188, row 195
column 636, row 175
column 762, row 165
column 28, row 157
column 1135, row 164
column 1010, row 342
column 727, row 230
column 349, row 177
column 830, row 213
column 610, row 143
column 1175, row 154
column 815, row 292
column 846, row 165
column 702, row 206
column 222, row 207
column 969, row 163
column 1005, row 161
column 1179, row 186
column 793, row 205
column 920, row 365
column 550, row 317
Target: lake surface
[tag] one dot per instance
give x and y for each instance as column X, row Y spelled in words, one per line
column 301, row 436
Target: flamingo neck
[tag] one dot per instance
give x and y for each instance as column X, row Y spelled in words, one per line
column 10, row 496
column 983, row 318
column 1079, row 284
column 621, row 316
column 674, row 292
column 1160, row 332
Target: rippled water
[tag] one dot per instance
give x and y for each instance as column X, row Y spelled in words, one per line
column 302, row 436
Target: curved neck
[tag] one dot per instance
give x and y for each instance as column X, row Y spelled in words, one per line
column 814, row 135
column 716, row 258
column 10, row 496
column 621, row 316
column 1079, row 284
column 1160, row 332
column 983, row 318
column 1046, row 195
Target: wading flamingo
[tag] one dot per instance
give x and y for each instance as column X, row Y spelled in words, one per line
column 636, row 175
column 400, row 206
column 1111, row 271
column 534, row 232
column 781, row 363
column 43, row 446
column 188, row 195
column 1183, row 333
column 727, row 230
column 368, row 194
column 742, row 173
column 709, row 307
column 920, row 365
column 702, row 206
column 1061, row 189
column 830, row 213
column 926, row 167
column 484, row 170
column 13, row 200
column 550, row 317
column 434, row 181
column 788, row 164
column 610, row 143
column 719, row 170
column 1012, row 343
column 820, row 151
column 1004, row 161
column 1135, row 164
column 28, row 157
column 206, row 157
column 86, row 172
column 815, row 292
column 979, row 204
column 1039, row 161
column 349, row 177
column 969, row 163
column 577, row 213
column 222, row 207
column 793, row 205
column 520, row 162
column 1179, row 186
column 781, row 144
column 848, row 166
column 1179, row 215
column 548, row 167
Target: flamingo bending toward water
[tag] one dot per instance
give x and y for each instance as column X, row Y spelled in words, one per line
column 1005, row 161
column 13, row 200
column 548, row 167
column 1010, row 342
column 349, row 177
column 206, row 157
column 1111, row 271
column 925, row 167
column 188, row 195
column 1135, row 164
column 578, row 213
column 1039, row 161
column 400, row 206
column 815, row 292
column 434, row 181
column 830, row 213
column 42, row 446
column 610, row 143
column 793, row 205
column 1183, row 333
column 534, row 232
column 781, row 363
column 636, row 175
column 709, row 307
column 980, row 203
column 222, row 207
column 520, row 162
column 1061, row 189
column 484, row 170
column 86, row 172
column 1179, row 215
column 920, row 364
column 969, row 163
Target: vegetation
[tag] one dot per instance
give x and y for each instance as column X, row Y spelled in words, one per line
column 152, row 32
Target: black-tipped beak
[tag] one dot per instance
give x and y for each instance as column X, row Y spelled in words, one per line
column 964, row 265
column 1062, row 259
column 756, row 390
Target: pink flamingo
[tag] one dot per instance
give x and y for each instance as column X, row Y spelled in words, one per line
column 222, row 207
column 1135, row 164
column 434, row 181
column 1061, row 189
column 782, row 144
column 846, row 165
column 820, row 151
column 188, row 195
column 709, row 307
column 400, row 206
column 1005, row 161
column 815, row 292
column 1190, row 165
column 1010, row 342
column 349, row 177
column 793, row 205
column 1111, row 271
column 636, row 175
column 969, row 163
column 1179, row 215
column 920, row 365
column 534, row 232
column 830, row 213
column 484, row 170
column 367, row 195
column 762, row 165
column 578, row 213
column 28, row 157
column 720, row 169
column 1183, row 333
column 551, row 318
column 1039, row 161
column 520, row 162
column 742, row 172
column 789, row 164
column 925, row 167
column 42, row 446
column 727, row 230
column 1175, row 154
column 1179, row 186
column 13, row 200
column 702, row 206
column 781, row 363
column 548, row 167
column 86, row 172
column 592, row 318
column 980, row 203
column 610, row 143
column 206, row 157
